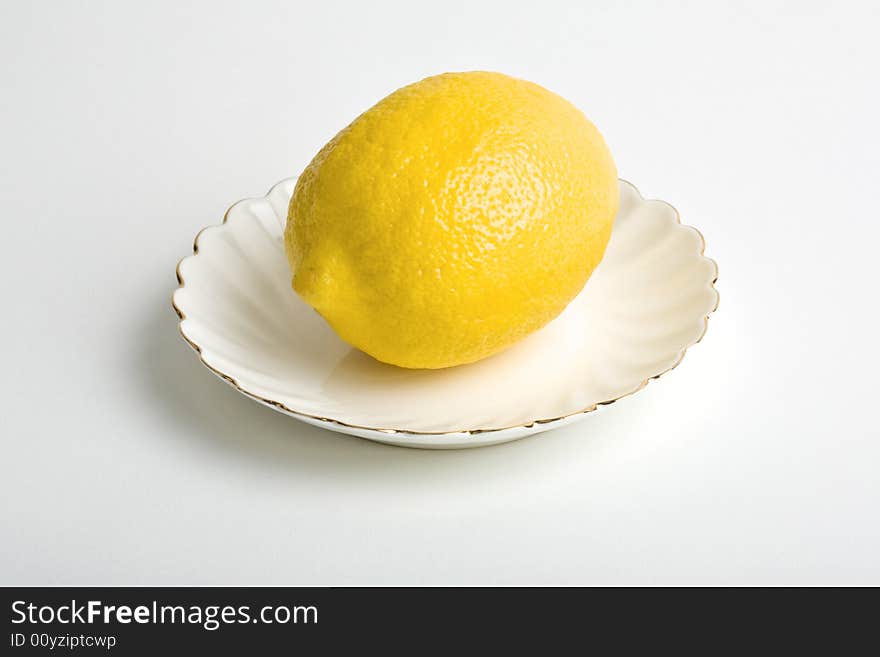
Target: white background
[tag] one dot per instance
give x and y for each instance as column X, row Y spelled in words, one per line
column 125, row 127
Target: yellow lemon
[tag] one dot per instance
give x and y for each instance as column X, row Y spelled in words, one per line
column 451, row 219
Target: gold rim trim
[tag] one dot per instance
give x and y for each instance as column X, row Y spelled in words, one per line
column 408, row 432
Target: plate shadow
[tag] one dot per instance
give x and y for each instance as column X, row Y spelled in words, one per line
column 209, row 414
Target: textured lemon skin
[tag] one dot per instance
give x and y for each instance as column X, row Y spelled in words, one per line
column 451, row 219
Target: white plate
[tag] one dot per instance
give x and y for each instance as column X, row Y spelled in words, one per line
column 642, row 308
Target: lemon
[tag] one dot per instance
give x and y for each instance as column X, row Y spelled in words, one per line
column 451, row 219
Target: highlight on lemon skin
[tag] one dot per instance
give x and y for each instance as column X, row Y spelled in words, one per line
column 453, row 218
